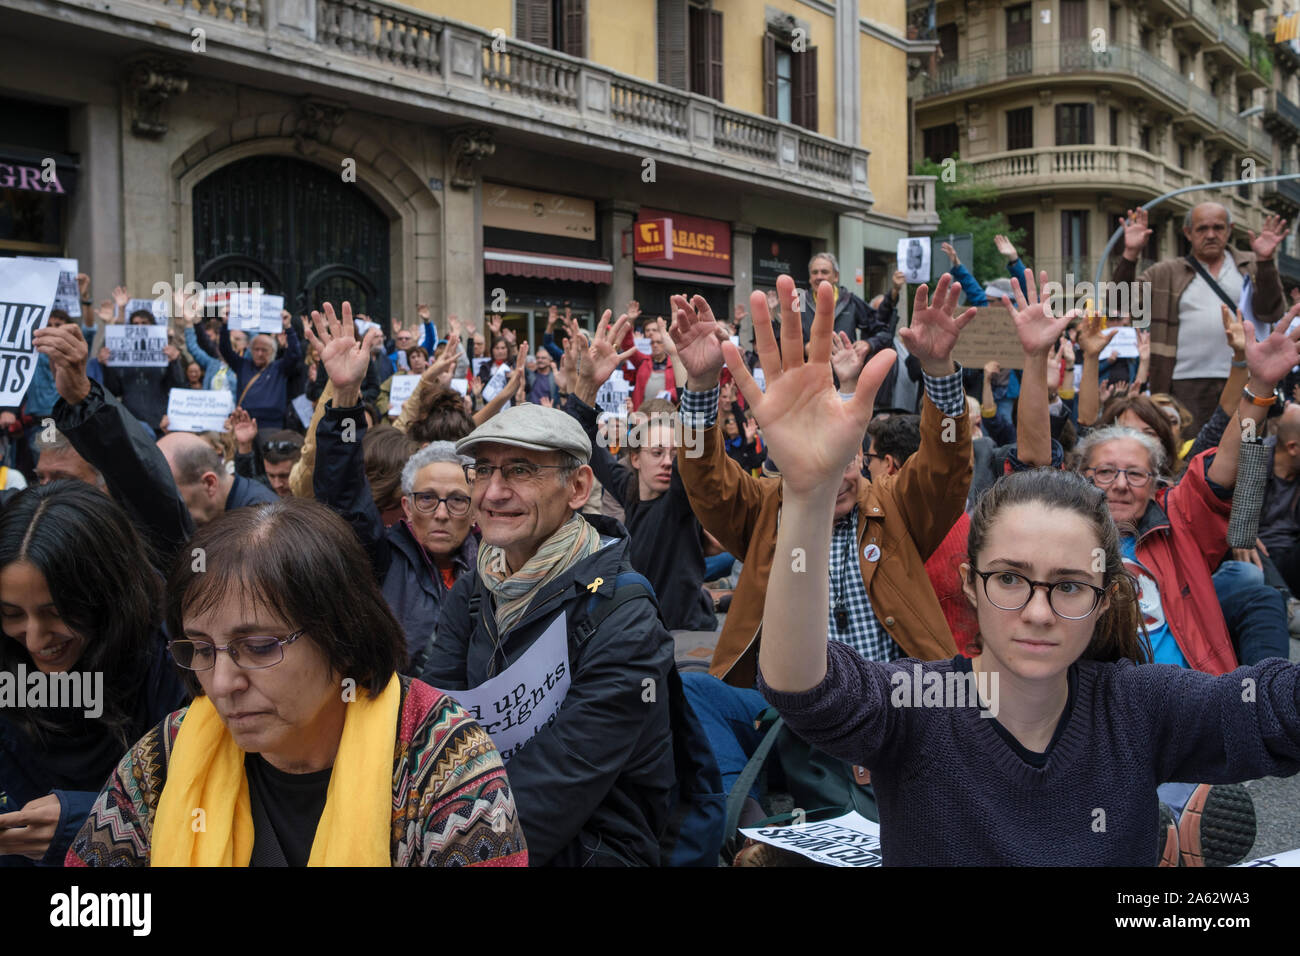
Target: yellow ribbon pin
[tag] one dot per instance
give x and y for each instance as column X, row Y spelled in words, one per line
column 595, row 584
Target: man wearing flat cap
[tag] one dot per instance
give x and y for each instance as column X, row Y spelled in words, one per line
column 592, row 787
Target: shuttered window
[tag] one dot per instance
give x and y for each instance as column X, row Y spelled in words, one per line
column 672, row 34
column 1020, row 128
column 558, row 24
column 1074, row 124
column 705, row 43
column 789, row 82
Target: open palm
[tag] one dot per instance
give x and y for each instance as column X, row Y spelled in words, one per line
column 1036, row 328
column 344, row 358
column 602, row 357
column 935, row 329
column 809, row 431
column 694, row 332
column 1270, row 361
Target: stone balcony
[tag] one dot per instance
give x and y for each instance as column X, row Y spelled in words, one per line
column 921, row 214
column 461, row 74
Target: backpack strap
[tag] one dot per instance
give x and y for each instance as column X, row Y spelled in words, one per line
column 740, row 789
column 628, row 586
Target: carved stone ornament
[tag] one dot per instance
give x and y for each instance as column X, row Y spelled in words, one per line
column 315, row 122
column 469, row 146
column 151, row 81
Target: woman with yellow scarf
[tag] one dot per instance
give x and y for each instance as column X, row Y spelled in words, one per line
column 303, row 746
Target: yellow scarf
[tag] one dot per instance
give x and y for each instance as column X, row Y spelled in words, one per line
column 206, row 772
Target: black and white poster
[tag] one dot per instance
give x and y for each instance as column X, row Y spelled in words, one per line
column 27, row 291
column 136, row 345
column 914, row 259
column 68, row 298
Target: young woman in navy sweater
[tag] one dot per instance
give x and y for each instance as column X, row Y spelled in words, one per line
column 1058, row 762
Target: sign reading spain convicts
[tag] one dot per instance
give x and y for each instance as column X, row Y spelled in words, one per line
column 689, row 243
column 523, row 210
column 138, row 345
column 27, row 290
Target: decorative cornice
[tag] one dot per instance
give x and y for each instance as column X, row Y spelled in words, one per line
column 152, row 81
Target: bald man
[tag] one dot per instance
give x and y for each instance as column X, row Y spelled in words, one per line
column 201, row 477
column 1180, row 300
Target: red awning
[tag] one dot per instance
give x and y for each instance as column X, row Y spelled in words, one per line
column 688, row 278
column 507, row 262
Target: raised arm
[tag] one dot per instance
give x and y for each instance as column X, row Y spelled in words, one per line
column 1092, row 342
column 1038, row 332
column 597, row 363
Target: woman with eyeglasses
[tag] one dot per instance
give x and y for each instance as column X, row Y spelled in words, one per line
column 81, row 608
column 420, row 557
column 1047, row 746
column 303, row 746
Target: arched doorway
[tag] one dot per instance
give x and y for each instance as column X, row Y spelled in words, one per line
column 298, row 230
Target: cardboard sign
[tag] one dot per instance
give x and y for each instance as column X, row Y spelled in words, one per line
column 402, row 387
column 522, row 701
column 848, row 840
column 136, row 345
column 68, row 298
column 613, row 394
column 990, row 337
column 160, row 309
column 256, row 312
column 199, row 409
column 303, row 407
column 27, row 292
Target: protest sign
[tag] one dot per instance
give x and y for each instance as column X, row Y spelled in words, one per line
column 990, row 337
column 256, row 311
column 480, row 362
column 27, row 291
column 199, row 409
column 914, row 259
column 524, row 698
column 136, row 345
column 159, row 308
column 403, row 386
column 1123, row 343
column 303, row 407
column 613, row 394
column 496, row 383
column 68, row 298
column 848, row 840
column 1287, row 858
column 460, row 385
column 760, row 379
column 642, row 343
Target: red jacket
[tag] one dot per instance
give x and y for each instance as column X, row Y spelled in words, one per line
column 644, row 366
column 1182, row 539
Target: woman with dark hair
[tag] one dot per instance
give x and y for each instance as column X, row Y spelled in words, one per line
column 386, row 451
column 1142, row 414
column 1047, row 747
column 303, row 745
column 81, row 608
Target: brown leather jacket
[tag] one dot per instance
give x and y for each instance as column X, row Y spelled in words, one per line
column 906, row 516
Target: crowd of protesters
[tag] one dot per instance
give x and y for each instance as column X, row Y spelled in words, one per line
column 287, row 614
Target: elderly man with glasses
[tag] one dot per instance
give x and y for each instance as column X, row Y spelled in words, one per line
column 1173, row 539
column 592, row 785
column 420, row 558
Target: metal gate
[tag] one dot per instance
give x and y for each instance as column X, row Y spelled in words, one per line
column 298, row 230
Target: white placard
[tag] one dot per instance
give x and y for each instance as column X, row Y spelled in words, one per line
column 849, row 840
column 304, row 408
column 136, row 345
column 460, row 385
column 612, row 395
column 68, row 298
column 1123, row 343
column 735, row 340
column 27, row 292
column 1288, row 858
column 364, row 326
column 159, row 308
column 479, row 362
column 642, row 343
column 400, row 391
column 914, row 259
column 256, row 311
column 760, row 379
column 199, row 409
column 523, row 700
column 497, row 382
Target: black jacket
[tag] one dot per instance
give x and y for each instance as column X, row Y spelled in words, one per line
column 667, row 540
column 247, row 491
column 593, row 788
column 137, row 475
column 145, row 391
column 412, row 585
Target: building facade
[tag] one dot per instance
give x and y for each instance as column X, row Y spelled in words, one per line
column 1076, row 110
column 495, row 155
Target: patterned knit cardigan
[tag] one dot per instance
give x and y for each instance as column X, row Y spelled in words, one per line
column 452, row 804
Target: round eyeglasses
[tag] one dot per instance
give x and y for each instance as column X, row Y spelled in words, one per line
column 1072, row 600
column 251, row 653
column 1136, row 478
column 427, row 502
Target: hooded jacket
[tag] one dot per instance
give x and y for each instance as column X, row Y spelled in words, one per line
column 592, row 788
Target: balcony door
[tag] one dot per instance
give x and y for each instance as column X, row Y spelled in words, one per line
column 1020, row 52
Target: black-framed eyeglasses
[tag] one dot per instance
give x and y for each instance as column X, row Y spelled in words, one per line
column 251, row 653
column 1011, row 591
column 427, row 502
column 282, row 447
column 514, row 473
column 1106, row 475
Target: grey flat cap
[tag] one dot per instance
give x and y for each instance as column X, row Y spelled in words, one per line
column 533, row 427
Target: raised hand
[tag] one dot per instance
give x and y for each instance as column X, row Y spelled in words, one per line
column 121, row 296
column 1036, row 328
column 1092, row 337
column 518, row 375
column 395, row 324
column 494, row 324
column 846, row 361
column 900, row 280
column 951, row 253
column 695, row 334
column 83, row 285
column 810, row 432
column 104, row 312
column 1270, row 236
column 67, row 351
column 244, row 428
column 1136, row 232
column 1006, row 247
column 1233, row 329
column 344, row 358
column 935, row 329
column 1270, row 361
column 751, row 431
column 603, row 358
column 422, row 311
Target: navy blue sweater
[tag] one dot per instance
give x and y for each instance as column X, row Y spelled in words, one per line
column 266, row 399
column 953, row 792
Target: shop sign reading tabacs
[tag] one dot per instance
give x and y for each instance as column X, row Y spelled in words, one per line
column 523, row 210
column 682, row 242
